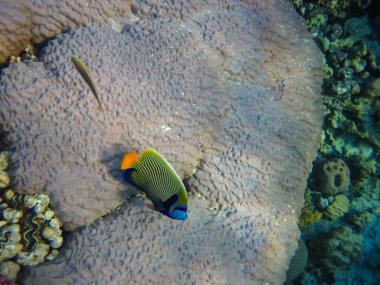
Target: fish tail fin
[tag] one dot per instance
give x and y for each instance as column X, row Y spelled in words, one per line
column 128, row 160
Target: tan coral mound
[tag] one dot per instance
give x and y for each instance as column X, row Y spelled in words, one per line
column 333, row 176
column 228, row 88
column 33, row 21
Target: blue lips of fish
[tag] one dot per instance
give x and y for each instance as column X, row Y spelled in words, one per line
column 153, row 175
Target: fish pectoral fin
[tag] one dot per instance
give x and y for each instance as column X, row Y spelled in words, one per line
column 159, row 206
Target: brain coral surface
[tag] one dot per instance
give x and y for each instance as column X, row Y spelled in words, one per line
column 228, row 92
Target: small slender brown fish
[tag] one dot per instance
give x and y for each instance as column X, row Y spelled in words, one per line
column 83, row 71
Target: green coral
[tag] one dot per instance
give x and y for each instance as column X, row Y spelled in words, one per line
column 338, row 249
column 29, row 231
column 309, row 214
column 308, row 218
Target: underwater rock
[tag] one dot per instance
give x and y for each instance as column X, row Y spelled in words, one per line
column 337, row 208
column 226, row 91
column 332, row 176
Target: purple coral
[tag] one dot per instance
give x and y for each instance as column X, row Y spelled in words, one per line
column 225, row 90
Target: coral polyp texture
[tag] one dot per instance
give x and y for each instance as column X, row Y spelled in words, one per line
column 228, row 92
column 337, row 208
column 338, row 249
column 29, row 231
column 333, row 176
column 26, row 22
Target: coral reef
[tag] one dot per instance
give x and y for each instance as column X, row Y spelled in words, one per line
column 333, row 176
column 29, row 232
column 339, row 249
column 25, row 22
column 347, row 32
column 308, row 218
column 4, row 163
column 226, row 91
column 310, row 214
column 362, row 220
column 27, row 55
column 372, row 88
column 9, row 270
column 337, row 208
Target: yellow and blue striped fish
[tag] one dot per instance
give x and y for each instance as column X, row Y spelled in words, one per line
column 153, row 175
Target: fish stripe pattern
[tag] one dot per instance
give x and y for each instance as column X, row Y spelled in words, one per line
column 153, row 175
column 156, row 176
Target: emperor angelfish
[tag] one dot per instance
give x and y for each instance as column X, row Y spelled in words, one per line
column 153, row 175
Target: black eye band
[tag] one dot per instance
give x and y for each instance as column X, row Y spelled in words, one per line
column 169, row 202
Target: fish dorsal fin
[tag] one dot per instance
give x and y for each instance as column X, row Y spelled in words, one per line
column 129, row 159
column 150, row 151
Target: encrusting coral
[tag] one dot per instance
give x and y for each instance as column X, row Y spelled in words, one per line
column 348, row 36
column 310, row 214
column 339, row 249
column 337, row 208
column 29, row 231
column 332, row 176
column 4, row 176
column 224, row 90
